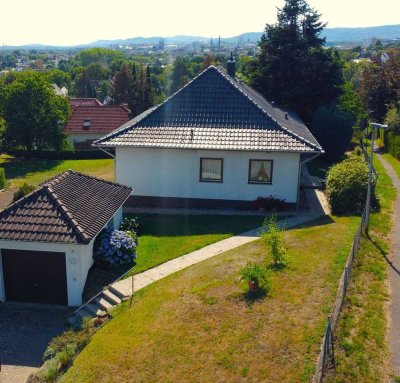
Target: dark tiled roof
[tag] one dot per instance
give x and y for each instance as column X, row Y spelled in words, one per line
column 70, row 208
column 216, row 111
column 103, row 119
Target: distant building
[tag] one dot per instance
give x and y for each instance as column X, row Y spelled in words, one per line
column 91, row 120
column 60, row 91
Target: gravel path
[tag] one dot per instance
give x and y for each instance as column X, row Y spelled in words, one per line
column 394, row 273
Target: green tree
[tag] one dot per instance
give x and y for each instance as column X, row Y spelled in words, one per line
column 181, row 74
column 333, row 129
column 350, row 101
column 293, row 67
column 34, row 115
column 392, row 118
column 59, row 77
column 122, row 84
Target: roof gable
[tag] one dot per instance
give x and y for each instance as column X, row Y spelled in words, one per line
column 214, row 104
column 70, row 208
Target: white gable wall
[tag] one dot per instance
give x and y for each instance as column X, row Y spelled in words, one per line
column 176, row 172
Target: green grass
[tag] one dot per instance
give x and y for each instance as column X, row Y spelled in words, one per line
column 362, row 351
column 35, row 171
column 197, row 325
column 166, row 237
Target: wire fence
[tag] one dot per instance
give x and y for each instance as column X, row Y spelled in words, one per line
column 326, row 358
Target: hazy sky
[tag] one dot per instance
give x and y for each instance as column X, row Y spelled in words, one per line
column 75, row 22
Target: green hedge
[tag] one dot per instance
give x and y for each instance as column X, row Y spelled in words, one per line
column 2, row 178
column 64, row 155
column 391, row 141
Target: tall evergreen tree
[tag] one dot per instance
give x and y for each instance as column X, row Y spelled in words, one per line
column 293, row 68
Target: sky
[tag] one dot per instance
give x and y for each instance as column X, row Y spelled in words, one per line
column 73, row 22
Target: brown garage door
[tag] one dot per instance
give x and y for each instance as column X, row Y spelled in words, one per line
column 35, row 276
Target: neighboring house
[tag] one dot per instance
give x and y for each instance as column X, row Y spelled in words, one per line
column 216, row 142
column 63, row 91
column 47, row 237
column 91, row 120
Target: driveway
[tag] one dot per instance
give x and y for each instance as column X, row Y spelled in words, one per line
column 25, row 331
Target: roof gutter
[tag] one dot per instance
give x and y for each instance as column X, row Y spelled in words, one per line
column 301, row 163
column 105, row 151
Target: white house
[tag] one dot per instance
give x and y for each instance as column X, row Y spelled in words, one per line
column 47, row 237
column 214, row 143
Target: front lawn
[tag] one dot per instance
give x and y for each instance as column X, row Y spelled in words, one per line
column 165, row 237
column 36, row 171
column 198, row 326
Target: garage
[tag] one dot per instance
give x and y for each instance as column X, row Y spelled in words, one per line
column 47, row 237
column 34, row 276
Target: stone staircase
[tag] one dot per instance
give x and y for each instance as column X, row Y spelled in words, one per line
column 99, row 306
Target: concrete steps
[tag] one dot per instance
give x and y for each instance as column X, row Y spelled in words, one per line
column 98, row 307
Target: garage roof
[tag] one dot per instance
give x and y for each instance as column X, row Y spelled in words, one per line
column 69, row 208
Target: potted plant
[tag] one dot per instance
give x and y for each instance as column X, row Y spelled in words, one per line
column 256, row 276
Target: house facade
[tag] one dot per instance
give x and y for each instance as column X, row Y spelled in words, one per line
column 91, row 120
column 47, row 238
column 214, row 143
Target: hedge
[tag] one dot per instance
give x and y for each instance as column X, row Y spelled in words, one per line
column 64, row 155
column 2, row 178
column 391, row 140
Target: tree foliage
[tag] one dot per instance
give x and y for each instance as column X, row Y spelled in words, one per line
column 293, row 67
column 34, row 115
column 333, row 129
column 181, row 73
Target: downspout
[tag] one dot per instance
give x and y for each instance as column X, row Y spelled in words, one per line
column 299, row 177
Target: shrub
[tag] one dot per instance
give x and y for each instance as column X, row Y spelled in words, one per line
column 347, row 184
column 257, row 275
column 271, row 203
column 115, row 248
column 22, row 191
column 333, row 129
column 272, row 236
column 2, row 178
column 49, row 371
column 132, row 227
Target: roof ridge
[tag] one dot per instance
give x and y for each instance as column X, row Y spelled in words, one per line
column 284, row 128
column 64, row 210
column 60, row 177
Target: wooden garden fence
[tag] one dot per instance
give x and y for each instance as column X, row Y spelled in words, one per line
column 326, row 357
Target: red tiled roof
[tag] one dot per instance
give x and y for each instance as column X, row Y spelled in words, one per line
column 84, row 101
column 69, row 208
column 103, row 119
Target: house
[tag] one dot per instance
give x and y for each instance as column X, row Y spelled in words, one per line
column 47, row 237
column 91, row 120
column 63, row 91
column 215, row 143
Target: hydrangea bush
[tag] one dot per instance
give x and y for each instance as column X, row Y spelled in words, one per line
column 115, row 247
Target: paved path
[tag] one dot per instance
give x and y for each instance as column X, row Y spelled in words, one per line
column 394, row 274
column 318, row 206
column 25, row 331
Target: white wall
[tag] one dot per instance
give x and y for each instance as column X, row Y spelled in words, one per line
column 175, row 173
column 78, row 260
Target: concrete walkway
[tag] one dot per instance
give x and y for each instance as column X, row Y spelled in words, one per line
column 394, row 274
column 317, row 206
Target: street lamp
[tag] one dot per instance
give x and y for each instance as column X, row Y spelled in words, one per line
column 369, row 190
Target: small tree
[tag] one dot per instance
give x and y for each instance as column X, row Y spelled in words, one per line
column 2, row 178
column 272, row 236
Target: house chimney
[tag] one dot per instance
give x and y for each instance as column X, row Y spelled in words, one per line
column 286, row 116
column 231, row 67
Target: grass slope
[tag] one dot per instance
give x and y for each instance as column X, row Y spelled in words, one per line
column 169, row 236
column 362, row 351
column 197, row 325
column 35, row 171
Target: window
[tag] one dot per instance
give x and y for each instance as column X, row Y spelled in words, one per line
column 86, row 124
column 260, row 172
column 211, row 169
